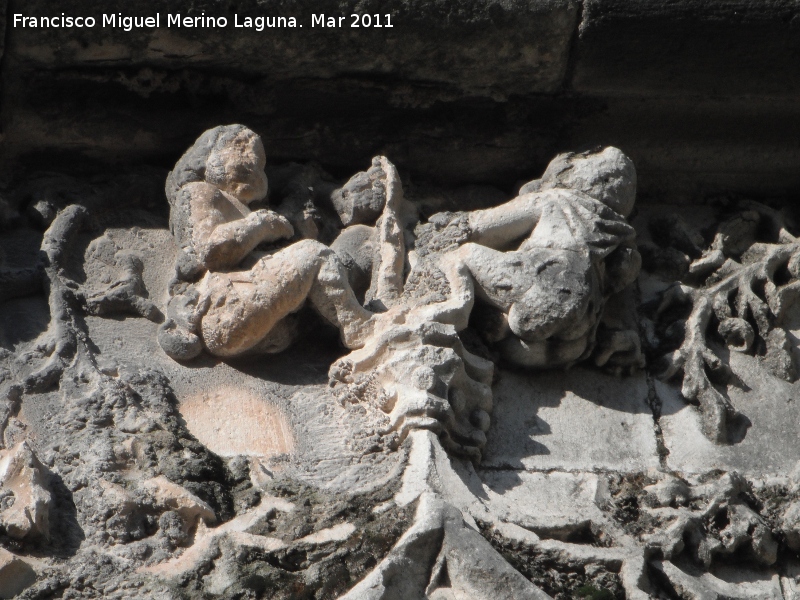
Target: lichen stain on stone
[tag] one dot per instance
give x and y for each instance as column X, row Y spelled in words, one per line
column 232, row 421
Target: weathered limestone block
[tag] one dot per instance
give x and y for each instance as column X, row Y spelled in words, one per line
column 536, row 56
column 554, row 505
column 766, row 441
column 26, row 500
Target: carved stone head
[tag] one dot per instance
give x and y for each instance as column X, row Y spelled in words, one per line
column 236, row 165
column 230, row 157
column 605, row 174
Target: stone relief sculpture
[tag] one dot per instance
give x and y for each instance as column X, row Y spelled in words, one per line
column 233, row 307
column 388, row 477
column 573, row 250
column 743, row 286
column 544, row 264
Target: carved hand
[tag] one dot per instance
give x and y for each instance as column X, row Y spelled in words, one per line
column 273, row 225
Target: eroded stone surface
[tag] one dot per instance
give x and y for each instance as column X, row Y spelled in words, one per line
column 742, row 286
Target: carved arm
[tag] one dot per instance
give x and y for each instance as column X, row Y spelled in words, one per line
column 497, row 227
column 229, row 243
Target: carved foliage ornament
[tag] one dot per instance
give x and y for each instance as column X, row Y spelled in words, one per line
column 541, row 267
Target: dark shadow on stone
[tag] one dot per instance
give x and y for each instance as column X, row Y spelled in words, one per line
column 738, row 428
column 472, row 479
column 22, row 320
column 510, row 480
column 66, row 535
column 519, row 431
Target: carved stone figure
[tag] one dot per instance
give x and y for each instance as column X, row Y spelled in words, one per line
column 462, row 444
column 548, row 260
column 545, row 263
column 225, row 298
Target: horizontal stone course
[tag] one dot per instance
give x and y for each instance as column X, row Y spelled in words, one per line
column 701, row 95
column 718, row 48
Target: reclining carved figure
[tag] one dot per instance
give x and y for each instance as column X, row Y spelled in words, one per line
column 225, row 297
column 547, row 261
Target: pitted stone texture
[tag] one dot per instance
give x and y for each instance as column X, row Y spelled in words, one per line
column 769, row 445
column 577, row 420
column 170, row 496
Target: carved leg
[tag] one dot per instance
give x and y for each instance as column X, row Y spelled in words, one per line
column 244, row 307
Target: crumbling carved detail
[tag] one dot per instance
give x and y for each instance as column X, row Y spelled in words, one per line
column 547, row 261
column 24, row 495
column 740, row 288
column 123, row 292
column 543, row 264
column 83, row 275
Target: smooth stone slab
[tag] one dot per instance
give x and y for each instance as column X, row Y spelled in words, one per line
column 770, row 443
column 579, row 420
column 550, row 504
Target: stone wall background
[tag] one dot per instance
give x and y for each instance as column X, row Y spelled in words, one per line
column 702, row 94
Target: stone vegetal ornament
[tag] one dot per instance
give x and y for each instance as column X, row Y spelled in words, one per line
column 415, row 462
column 543, row 264
column 737, row 292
